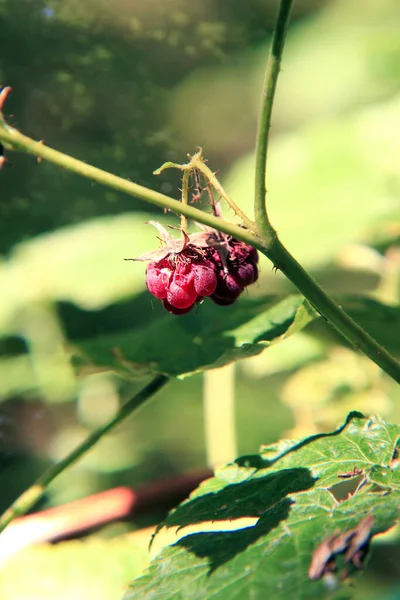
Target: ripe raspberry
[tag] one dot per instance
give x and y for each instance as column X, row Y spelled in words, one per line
column 158, row 277
column 181, row 292
column 246, row 274
column 177, row 311
column 205, row 279
column 207, row 264
column 239, row 252
column 236, row 268
column 228, row 290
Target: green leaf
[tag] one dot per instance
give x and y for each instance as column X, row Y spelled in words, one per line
column 382, row 321
column 214, row 336
column 209, row 338
column 250, row 532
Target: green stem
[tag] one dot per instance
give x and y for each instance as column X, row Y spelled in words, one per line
column 12, row 138
column 269, row 245
column 29, row 498
column 273, row 248
column 264, row 124
column 330, row 310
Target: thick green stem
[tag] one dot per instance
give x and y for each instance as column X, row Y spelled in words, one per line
column 273, row 248
column 269, row 244
column 265, row 228
column 11, row 138
column 29, row 498
column 330, row 310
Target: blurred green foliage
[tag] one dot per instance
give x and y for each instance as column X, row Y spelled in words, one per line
column 126, row 86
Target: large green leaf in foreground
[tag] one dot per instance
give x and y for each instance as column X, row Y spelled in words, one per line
column 250, row 532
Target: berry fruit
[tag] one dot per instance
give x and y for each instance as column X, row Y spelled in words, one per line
column 205, row 279
column 202, row 265
column 176, row 311
column 181, row 292
column 158, row 277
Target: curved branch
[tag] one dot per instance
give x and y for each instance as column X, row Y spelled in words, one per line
column 264, row 124
column 29, row 498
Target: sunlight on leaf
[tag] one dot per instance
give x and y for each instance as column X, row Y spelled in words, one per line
column 285, row 492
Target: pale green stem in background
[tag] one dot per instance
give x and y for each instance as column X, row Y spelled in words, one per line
column 31, row 496
column 219, row 415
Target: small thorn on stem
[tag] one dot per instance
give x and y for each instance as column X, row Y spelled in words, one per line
column 3, row 96
column 40, row 158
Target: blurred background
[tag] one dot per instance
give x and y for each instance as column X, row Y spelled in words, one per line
column 127, row 86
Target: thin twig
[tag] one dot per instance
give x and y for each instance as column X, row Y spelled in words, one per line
column 198, row 162
column 35, row 492
column 79, row 516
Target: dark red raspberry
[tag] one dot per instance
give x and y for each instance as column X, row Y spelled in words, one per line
column 228, row 290
column 246, row 274
column 176, row 311
column 239, row 252
column 236, row 268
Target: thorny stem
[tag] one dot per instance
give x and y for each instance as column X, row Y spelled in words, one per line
column 273, row 248
column 214, row 209
column 14, row 140
column 29, row 498
column 267, row 242
column 264, row 124
column 331, row 311
column 197, row 163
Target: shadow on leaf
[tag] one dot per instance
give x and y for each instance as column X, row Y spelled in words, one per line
column 266, row 497
column 221, row 547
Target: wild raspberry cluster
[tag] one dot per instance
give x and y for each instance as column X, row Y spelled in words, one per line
column 236, row 267
column 185, row 278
